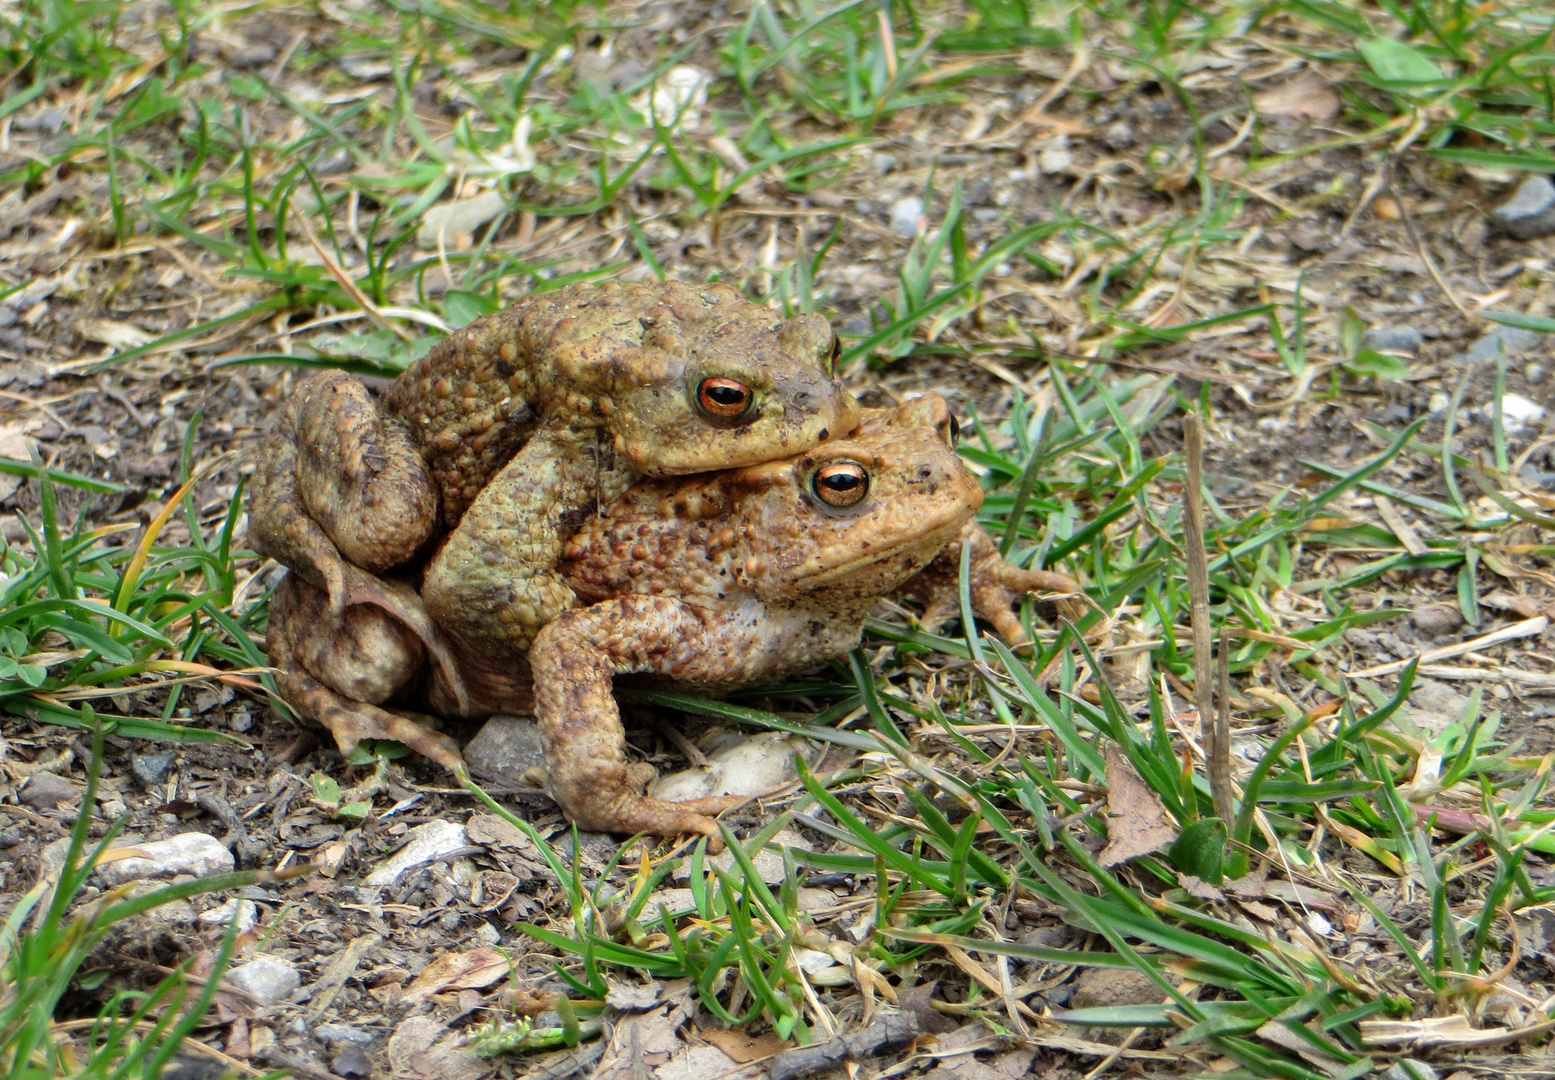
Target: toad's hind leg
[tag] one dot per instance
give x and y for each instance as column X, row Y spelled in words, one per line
column 340, row 482
column 368, row 655
column 573, row 660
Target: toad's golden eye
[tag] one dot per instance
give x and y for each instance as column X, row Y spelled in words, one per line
column 726, row 399
column 840, row 484
column 955, row 432
column 836, row 352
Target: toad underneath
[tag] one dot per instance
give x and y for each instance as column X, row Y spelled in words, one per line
column 712, row 582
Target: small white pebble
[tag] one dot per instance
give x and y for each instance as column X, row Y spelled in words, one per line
column 1518, row 412
column 906, row 215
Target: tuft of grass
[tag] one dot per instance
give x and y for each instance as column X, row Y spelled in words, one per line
column 84, row 619
column 53, row 930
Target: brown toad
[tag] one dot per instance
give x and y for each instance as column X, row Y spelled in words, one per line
column 511, row 432
column 714, row 581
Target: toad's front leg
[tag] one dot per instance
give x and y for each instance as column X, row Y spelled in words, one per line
column 995, row 585
column 574, row 659
column 493, row 584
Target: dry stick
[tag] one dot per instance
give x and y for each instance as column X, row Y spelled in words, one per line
column 1217, row 733
column 1420, row 249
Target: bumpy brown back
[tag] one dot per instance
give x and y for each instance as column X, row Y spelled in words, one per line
column 474, row 401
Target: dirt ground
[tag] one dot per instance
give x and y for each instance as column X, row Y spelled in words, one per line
column 378, row 995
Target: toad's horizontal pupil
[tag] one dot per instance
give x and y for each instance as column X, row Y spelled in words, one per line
column 726, row 395
column 842, row 481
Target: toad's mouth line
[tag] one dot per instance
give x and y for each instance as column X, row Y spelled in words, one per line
column 936, row 532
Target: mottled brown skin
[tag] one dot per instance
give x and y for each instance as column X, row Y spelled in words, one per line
column 507, row 435
column 743, row 577
column 711, row 581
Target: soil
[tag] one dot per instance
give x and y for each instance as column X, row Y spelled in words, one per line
column 127, row 424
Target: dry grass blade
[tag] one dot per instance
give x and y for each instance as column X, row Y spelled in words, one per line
column 1215, row 727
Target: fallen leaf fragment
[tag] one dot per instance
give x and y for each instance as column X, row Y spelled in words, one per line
column 1136, row 819
column 1307, row 96
column 114, row 334
column 1454, row 1031
column 458, row 971
column 740, row 1047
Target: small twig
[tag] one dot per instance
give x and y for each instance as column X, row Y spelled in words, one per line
column 1400, row 528
column 1220, row 760
column 1217, row 747
column 1527, row 628
column 1420, row 249
column 346, row 282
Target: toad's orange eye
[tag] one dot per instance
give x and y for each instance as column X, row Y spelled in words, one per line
column 840, row 484
column 726, row 399
column 836, row 352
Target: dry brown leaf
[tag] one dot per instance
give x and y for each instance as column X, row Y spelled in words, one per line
column 114, row 334
column 1306, row 96
column 1136, row 820
column 741, row 1047
column 1455, row 1031
column 14, row 444
column 1286, row 1039
column 418, row 1049
column 458, row 971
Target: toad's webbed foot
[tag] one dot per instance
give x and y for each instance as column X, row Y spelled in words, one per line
column 995, row 585
column 610, row 797
column 336, row 671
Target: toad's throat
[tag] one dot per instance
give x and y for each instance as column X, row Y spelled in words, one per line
column 928, row 538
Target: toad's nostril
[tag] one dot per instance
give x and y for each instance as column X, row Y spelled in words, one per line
column 924, row 472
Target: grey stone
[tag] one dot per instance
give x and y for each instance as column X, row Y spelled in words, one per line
column 1435, row 706
column 428, row 843
column 1437, row 620
column 507, row 748
column 49, row 121
column 344, row 1033
column 1519, row 412
column 152, row 769
column 266, row 980
column 1530, row 212
column 1393, row 339
column 1535, row 475
column 905, row 213
column 1514, row 339
column 47, row 790
column 1119, row 136
column 352, row 1061
column 252, row 56
column 195, row 853
column 735, row 766
column 884, row 163
column 451, row 219
column 1409, row 1069
column 243, row 910
column 333, row 163
column 7, row 315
